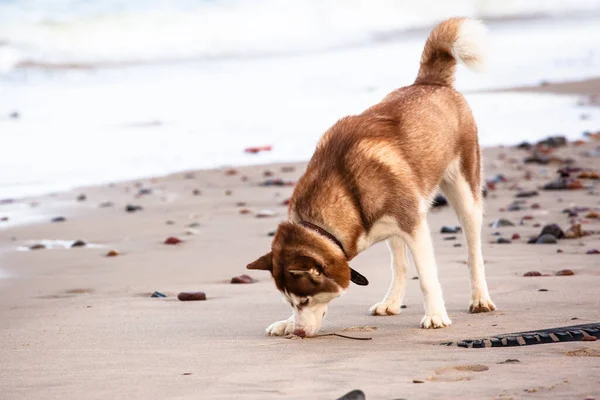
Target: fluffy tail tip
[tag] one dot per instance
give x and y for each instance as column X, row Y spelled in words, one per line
column 470, row 46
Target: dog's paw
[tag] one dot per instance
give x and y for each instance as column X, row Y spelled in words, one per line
column 481, row 305
column 385, row 308
column 435, row 321
column 280, row 328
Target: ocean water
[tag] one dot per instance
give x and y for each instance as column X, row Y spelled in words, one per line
column 113, row 90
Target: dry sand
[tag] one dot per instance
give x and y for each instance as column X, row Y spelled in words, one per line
column 76, row 324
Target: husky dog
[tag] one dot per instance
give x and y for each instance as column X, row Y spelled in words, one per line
column 372, row 178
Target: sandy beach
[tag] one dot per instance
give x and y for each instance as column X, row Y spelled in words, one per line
column 78, row 324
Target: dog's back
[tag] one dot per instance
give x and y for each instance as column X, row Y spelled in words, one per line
column 387, row 159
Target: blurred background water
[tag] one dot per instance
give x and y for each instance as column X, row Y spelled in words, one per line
column 93, row 91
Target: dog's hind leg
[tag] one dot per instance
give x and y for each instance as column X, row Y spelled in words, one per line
column 390, row 305
column 466, row 199
column 421, row 248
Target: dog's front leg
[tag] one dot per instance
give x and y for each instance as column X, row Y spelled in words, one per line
column 281, row 328
column 421, row 248
column 390, row 305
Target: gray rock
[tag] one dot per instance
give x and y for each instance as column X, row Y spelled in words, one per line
column 546, row 239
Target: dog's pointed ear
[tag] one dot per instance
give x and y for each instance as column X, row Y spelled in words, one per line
column 264, row 263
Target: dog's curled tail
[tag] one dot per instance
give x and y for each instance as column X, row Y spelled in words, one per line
column 453, row 40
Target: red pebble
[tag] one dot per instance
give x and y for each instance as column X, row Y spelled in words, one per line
column 172, row 240
column 191, row 296
column 565, row 272
column 527, row 217
column 536, row 206
column 258, row 149
column 243, row 279
column 592, row 251
column 532, row 273
column 516, row 236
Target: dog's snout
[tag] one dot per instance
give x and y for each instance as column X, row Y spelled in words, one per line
column 300, row 332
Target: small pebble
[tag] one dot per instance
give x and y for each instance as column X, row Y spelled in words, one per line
column 243, row 279
column 228, row 193
column 267, row 174
column 559, row 251
column 543, row 290
column 592, row 251
column 457, row 245
column 546, row 239
column 196, row 192
column 450, row 238
column 532, row 273
column 130, row 208
column 516, row 236
column 529, row 193
column 157, row 294
column 3, row 219
column 565, row 272
column 241, row 204
column 189, row 175
column 288, row 169
column 265, row 214
column 112, row 253
column 172, row 240
column 59, row 219
column 403, row 306
column 245, row 211
column 231, row 172
column 500, row 223
column 78, row 243
column 271, row 234
column 106, row 204
column 82, row 197
column 417, row 381
column 37, row 246
column 554, row 230
column 191, row 296
column 194, row 225
column 450, row 229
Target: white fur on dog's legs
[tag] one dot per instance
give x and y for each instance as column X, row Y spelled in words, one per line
column 281, row 328
column 421, row 248
column 470, row 215
column 390, row 305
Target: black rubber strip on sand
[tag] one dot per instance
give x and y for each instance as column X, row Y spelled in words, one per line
column 571, row 333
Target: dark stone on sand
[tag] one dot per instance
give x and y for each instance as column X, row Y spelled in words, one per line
column 271, row 234
column 157, row 294
column 228, row 193
column 501, row 222
column 172, row 240
column 524, row 146
column 288, row 169
column 403, row 306
column 439, row 201
column 144, row 191
column 528, row 193
column 514, row 207
column 353, row 395
column 592, row 251
column 543, row 290
column 78, row 243
column 267, row 173
column 553, row 141
column 451, row 229
column 37, row 246
column 82, row 197
column 415, row 278
column 243, row 279
column 537, row 158
column 546, row 239
column 196, row 192
column 189, row 175
column 3, row 219
column 14, row 115
column 450, row 238
column 191, row 296
column 532, row 273
column 58, row 219
column 112, row 253
column 554, row 230
column 516, row 236
column 565, row 272
column 169, row 222
column 503, row 241
column 131, row 208
column 417, row 381
column 457, row 245
column 193, row 225
column 241, row 204
column 106, row 204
